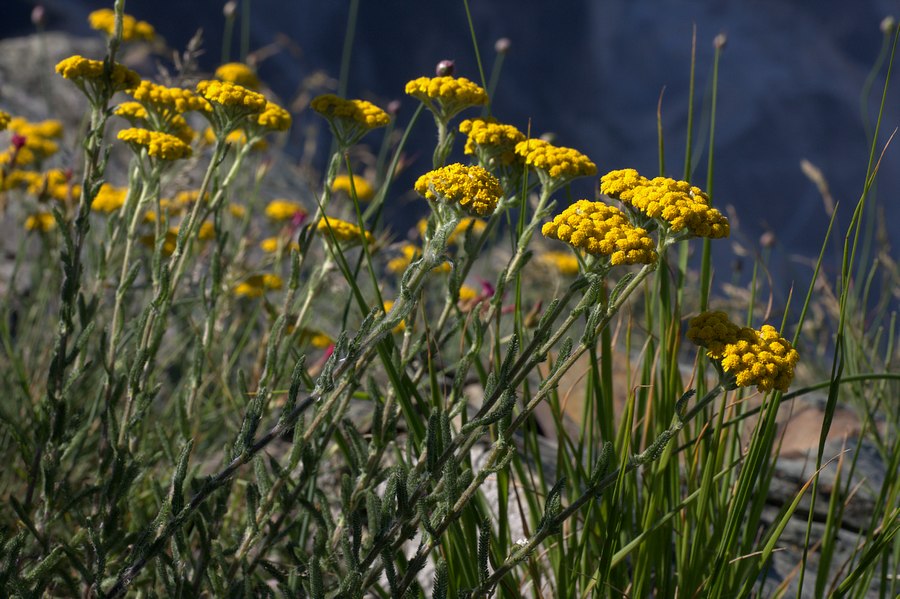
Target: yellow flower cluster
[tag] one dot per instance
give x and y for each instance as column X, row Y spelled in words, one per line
column 237, row 210
column 467, row 294
column 343, row 230
column 360, row 112
column 410, row 252
column 206, row 232
column 38, row 137
column 492, row 139
column 105, row 20
column 21, row 157
column 760, row 358
column 678, row 204
column 166, row 207
column 167, row 100
column 274, row 117
column 50, row 128
column 284, row 209
column 158, row 145
column 600, row 229
column 189, row 196
column 232, row 95
column 80, row 69
column 316, row 338
column 4, row 120
column 713, row 330
column 257, row 285
column 564, row 262
column 238, row 72
column 559, row 163
column 131, row 111
column 42, row 222
column 472, row 187
column 364, row 191
column 109, row 198
column 446, row 96
column 54, row 184
column 270, row 245
column 388, row 305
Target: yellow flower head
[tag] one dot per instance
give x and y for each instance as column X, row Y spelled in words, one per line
column 158, row 145
column 4, row 120
column 38, row 138
column 760, row 358
column 362, row 112
column 270, row 245
column 491, row 141
column 232, row 95
column 166, row 207
column 238, row 72
column 446, row 96
column 257, row 285
column 133, row 112
column 467, row 293
column 170, row 240
column 714, row 331
column 388, row 304
column 274, row 117
column 475, row 226
column 86, row 72
column 17, row 178
column 555, row 165
column 237, row 210
column 21, row 157
column 207, row 231
column 349, row 120
column 168, row 100
column 471, row 187
column 343, row 230
column 50, row 128
column 41, row 222
column 600, row 229
column 189, row 196
column 364, row 191
column 109, row 198
column 316, row 338
column 621, row 183
column 284, row 209
column 677, row 205
column 563, row 262
column 54, row 184
column 410, row 252
column 105, row 20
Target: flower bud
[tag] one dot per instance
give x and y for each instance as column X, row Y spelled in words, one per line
column 501, row 46
column 18, row 141
column 767, row 239
column 445, row 68
column 719, row 41
column 888, row 24
column 393, row 107
column 39, row 16
column 229, row 9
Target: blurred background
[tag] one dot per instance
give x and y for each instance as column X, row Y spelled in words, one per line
column 792, row 87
